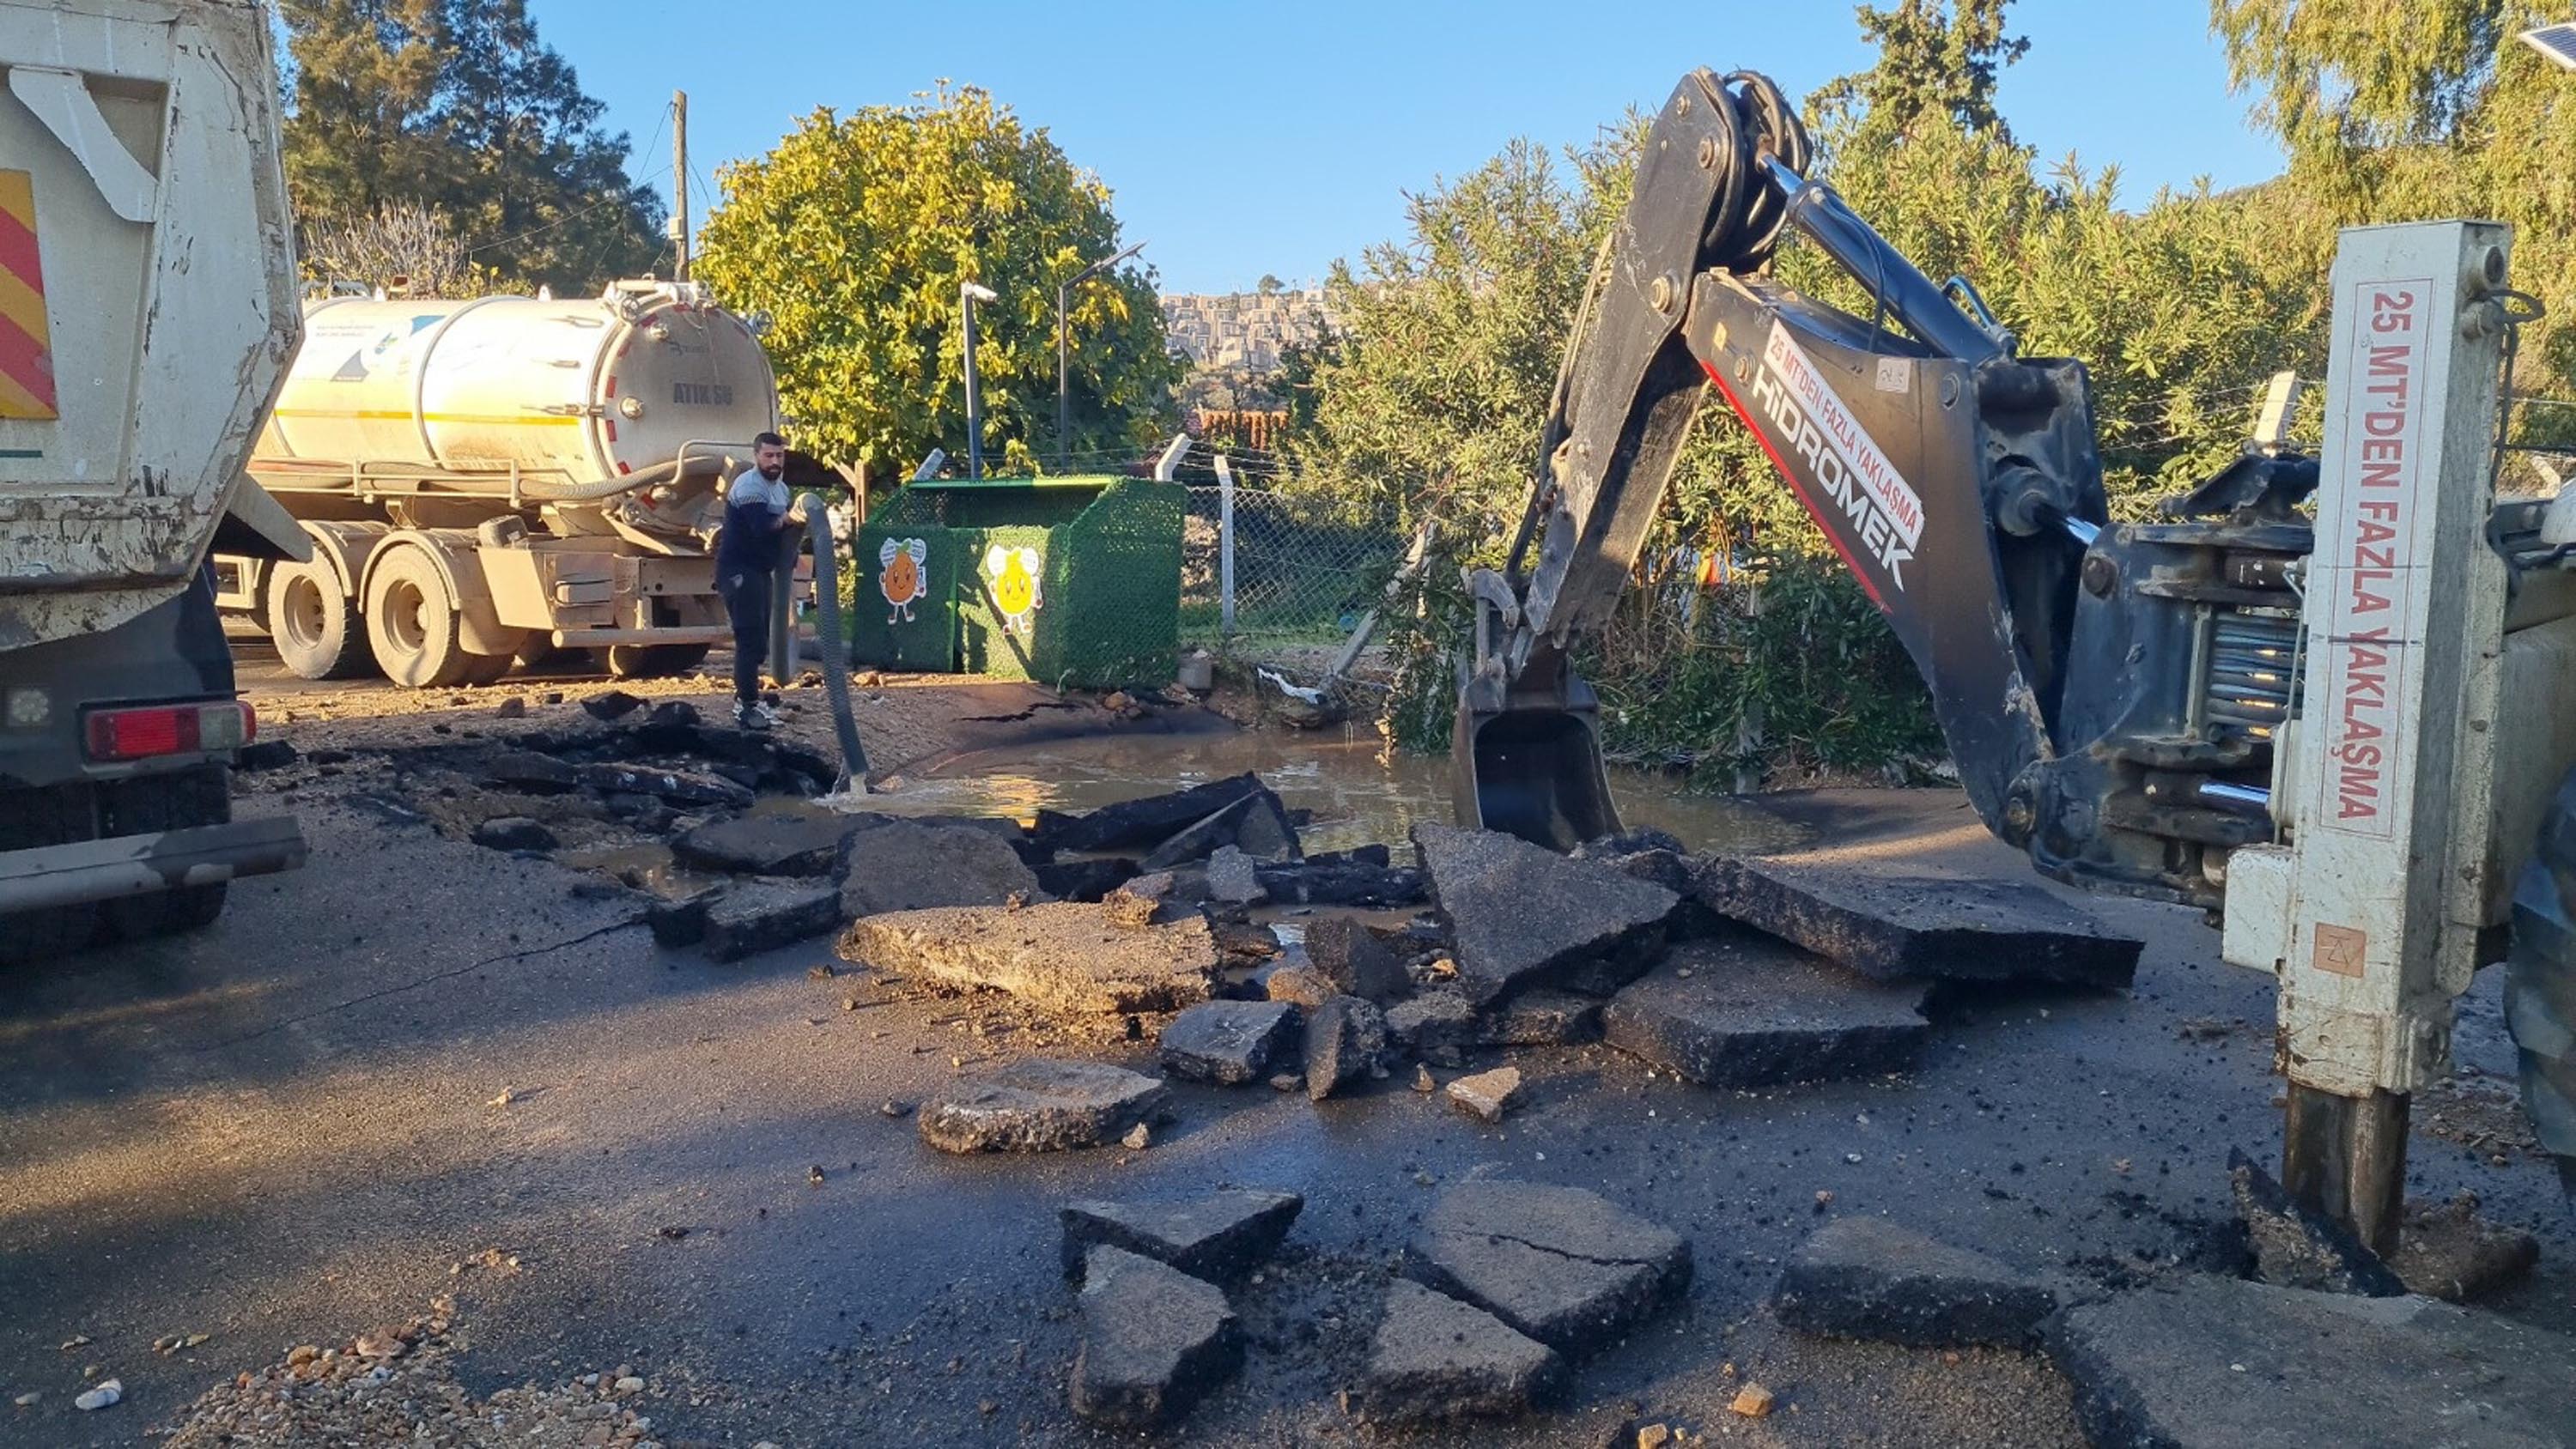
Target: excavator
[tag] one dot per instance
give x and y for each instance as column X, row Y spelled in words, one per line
column 2323, row 698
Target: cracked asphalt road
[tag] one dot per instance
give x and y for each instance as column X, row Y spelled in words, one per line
column 282, row 1132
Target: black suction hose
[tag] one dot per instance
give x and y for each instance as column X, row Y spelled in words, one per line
column 836, row 648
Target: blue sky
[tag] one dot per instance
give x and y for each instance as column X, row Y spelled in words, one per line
column 1241, row 140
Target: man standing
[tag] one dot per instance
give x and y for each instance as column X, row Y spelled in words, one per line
column 756, row 515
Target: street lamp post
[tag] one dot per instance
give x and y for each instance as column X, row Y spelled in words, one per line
column 968, row 294
column 1063, row 297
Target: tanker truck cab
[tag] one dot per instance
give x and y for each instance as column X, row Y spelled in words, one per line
column 147, row 309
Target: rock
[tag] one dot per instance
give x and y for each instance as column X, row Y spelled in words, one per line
column 514, row 832
column 1153, row 1340
column 1299, row 986
column 1373, row 886
column 1345, row 1043
column 1436, row 1024
column 612, row 704
column 514, row 707
column 1350, row 953
column 1135, row 903
column 524, row 771
column 1541, row 1018
column 1286, row 1081
column 1867, row 1278
column 1141, row 824
column 680, row 922
column 1061, row 956
column 676, row 713
column 1755, row 1012
column 1436, row 1358
column 1423, row 1081
column 1244, row 943
column 2296, row 1246
column 2222, row 1363
column 104, row 1394
column 263, row 755
column 1487, row 1095
column 790, row 844
column 1752, row 1401
column 2446, row 1252
column 759, row 914
column 1231, row 877
column 1226, row 1042
column 1890, row 926
column 906, row 866
column 1523, row 916
column 1220, row 1237
column 676, row 787
column 1557, row 1263
column 1083, row 879
column 1138, row 1138
column 1036, row 1105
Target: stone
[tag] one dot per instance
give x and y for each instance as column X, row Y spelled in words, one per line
column 1371, row 886
column 526, row 772
column 1221, row 1236
column 1086, row 878
column 1424, row 1082
column 907, row 866
column 2445, row 1252
column 1435, row 1358
column 1436, row 1024
column 1891, row 926
column 612, row 704
column 1138, row 1138
column 1870, row 1279
column 765, row 844
column 1136, row 902
column 1346, row 950
column 1060, row 956
column 1299, row 985
column 514, row 707
column 1541, row 1018
column 1231, row 878
column 1486, row 1096
column 759, row 914
column 1756, row 1012
column 1559, row 1264
column 1144, row 823
column 2222, row 1363
column 1154, row 1339
column 1229, row 1043
column 1345, row 1043
column 1752, row 1401
column 1036, row 1105
column 2295, row 1246
column 676, row 787
column 1521, row 916
column 514, row 832
column 105, row 1394
column 676, row 713
column 264, row 755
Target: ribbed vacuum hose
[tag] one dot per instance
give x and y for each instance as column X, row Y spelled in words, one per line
column 836, row 648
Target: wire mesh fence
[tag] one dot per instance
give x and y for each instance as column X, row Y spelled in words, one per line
column 1267, row 573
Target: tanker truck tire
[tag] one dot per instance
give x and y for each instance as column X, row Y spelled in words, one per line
column 2540, row 984
column 412, row 623
column 654, row 661
column 201, row 796
column 314, row 626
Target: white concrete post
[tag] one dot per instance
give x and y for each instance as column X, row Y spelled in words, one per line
column 1225, row 546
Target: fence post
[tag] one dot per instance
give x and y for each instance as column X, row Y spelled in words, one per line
column 1749, row 725
column 1225, row 548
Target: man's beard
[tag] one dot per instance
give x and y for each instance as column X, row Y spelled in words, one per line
column 772, row 474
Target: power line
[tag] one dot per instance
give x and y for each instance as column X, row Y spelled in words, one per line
column 599, row 205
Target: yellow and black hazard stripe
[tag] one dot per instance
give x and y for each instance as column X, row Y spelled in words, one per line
column 26, row 343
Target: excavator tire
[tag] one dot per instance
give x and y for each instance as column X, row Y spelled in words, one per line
column 2540, row 983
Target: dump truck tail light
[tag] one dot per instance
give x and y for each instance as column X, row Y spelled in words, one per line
column 168, row 729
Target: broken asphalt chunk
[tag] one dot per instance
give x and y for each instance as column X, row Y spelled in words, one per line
column 1890, row 926
column 1142, row 824
column 765, row 844
column 1345, row 1043
column 2295, row 1246
column 1755, row 1012
column 1154, row 1339
column 909, row 866
column 1229, row 1043
column 1315, row 884
column 1541, row 1018
column 1486, row 1096
column 1870, row 1279
column 1522, row 916
column 1436, row 1025
column 759, row 915
column 1559, row 1264
column 678, row 787
column 1061, row 956
column 1436, row 1358
column 1036, row 1105
column 514, row 832
column 1357, row 961
column 1220, row 1237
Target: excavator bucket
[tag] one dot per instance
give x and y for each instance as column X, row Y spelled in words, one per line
column 1534, row 771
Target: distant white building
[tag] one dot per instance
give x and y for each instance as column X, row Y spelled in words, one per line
column 1246, row 330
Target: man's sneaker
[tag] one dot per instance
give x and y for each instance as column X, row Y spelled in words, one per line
column 754, row 716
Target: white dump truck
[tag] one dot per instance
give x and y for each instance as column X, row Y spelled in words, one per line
column 504, row 477
column 147, row 311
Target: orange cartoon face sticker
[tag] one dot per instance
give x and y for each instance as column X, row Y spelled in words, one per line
column 1013, row 576
column 900, row 577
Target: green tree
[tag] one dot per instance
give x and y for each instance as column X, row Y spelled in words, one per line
column 853, row 236
column 457, row 106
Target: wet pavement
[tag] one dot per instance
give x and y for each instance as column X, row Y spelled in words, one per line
column 313, row 1117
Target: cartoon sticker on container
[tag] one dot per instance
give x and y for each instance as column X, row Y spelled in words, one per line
column 900, row 576
column 1013, row 576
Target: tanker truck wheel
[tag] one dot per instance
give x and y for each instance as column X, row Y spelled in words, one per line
column 2540, row 983
column 315, row 626
column 411, row 621
column 654, row 661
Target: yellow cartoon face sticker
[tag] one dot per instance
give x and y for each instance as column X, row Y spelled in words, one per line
column 900, row 576
column 1013, row 576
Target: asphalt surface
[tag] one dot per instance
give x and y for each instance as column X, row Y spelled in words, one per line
column 284, row 1131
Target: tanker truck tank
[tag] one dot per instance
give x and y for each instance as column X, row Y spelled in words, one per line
column 495, row 476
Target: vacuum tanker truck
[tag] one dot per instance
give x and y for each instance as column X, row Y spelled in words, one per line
column 504, row 477
column 147, row 311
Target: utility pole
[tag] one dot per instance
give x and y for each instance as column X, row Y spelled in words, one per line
column 680, row 181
